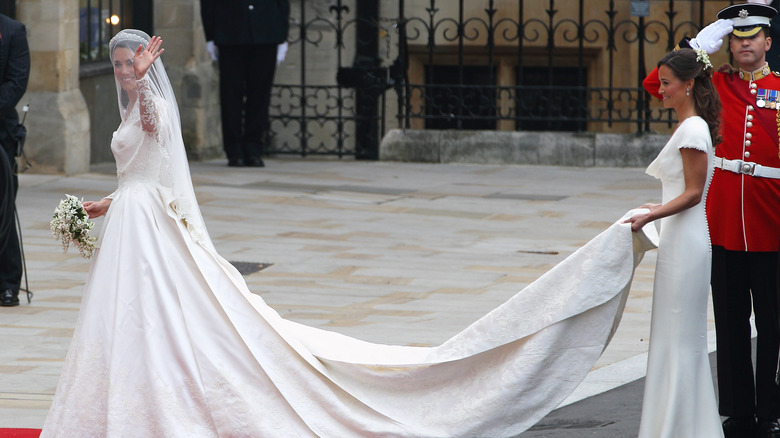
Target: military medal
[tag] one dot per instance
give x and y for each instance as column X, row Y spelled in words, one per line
column 773, row 99
column 761, row 98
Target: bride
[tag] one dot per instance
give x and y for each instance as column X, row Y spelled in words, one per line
column 171, row 343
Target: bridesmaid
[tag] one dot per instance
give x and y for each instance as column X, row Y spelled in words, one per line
column 679, row 399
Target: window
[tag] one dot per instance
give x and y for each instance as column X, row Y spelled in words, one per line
column 100, row 20
column 452, row 106
column 551, row 100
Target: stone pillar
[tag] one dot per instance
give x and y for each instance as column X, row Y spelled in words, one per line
column 193, row 76
column 58, row 120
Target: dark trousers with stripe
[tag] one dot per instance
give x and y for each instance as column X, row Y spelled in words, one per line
column 744, row 281
column 10, row 254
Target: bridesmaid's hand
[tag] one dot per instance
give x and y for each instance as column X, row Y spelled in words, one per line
column 96, row 208
column 638, row 221
column 650, row 207
column 145, row 57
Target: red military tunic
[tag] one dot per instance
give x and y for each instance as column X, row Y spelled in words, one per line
column 743, row 211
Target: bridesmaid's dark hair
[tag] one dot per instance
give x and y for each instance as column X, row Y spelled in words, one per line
column 685, row 65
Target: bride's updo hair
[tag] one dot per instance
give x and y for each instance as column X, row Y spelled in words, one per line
column 685, row 64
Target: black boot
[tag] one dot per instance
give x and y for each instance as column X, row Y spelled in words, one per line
column 9, row 298
column 739, row 427
column 768, row 429
column 255, row 162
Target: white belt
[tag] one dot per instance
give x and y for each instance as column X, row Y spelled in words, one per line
column 746, row 168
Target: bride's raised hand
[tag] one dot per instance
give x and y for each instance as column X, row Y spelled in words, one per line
column 145, row 57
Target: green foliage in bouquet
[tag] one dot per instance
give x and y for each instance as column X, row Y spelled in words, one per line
column 71, row 226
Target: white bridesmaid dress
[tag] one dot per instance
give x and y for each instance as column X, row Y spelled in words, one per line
column 679, row 398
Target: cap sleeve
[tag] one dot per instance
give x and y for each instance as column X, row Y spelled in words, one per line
column 695, row 134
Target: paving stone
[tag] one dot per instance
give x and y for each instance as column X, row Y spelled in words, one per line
column 399, row 253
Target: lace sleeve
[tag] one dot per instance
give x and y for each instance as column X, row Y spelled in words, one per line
column 147, row 106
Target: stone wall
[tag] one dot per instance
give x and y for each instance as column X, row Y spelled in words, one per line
column 58, row 121
column 499, row 147
column 193, row 76
column 73, row 109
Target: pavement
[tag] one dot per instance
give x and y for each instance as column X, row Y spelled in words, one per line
column 396, row 253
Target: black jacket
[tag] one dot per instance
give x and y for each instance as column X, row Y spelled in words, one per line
column 245, row 22
column 14, row 74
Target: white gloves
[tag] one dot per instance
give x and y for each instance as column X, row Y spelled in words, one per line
column 281, row 52
column 213, row 50
column 761, row 2
column 711, row 37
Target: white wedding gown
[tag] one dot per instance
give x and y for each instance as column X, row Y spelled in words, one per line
column 679, row 399
column 171, row 343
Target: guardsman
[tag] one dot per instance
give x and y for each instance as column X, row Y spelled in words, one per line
column 242, row 36
column 743, row 213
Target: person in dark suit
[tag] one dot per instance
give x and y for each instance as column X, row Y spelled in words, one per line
column 14, row 73
column 243, row 35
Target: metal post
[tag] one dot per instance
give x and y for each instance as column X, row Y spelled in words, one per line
column 366, row 100
column 550, row 69
column 491, row 42
column 611, row 49
column 402, row 61
column 304, row 131
column 641, row 73
column 461, row 104
column 519, row 71
column 583, row 97
column 340, row 8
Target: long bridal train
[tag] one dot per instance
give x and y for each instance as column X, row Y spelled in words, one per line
column 186, row 350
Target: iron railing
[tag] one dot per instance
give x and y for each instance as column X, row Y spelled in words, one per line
column 532, row 65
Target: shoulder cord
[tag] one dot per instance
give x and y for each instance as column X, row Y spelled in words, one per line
column 777, row 121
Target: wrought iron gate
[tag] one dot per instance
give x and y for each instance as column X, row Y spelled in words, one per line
column 468, row 65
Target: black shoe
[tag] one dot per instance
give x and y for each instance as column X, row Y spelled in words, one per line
column 739, row 427
column 236, row 162
column 255, row 162
column 768, row 429
column 9, row 298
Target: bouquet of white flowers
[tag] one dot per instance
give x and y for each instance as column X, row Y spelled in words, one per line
column 71, row 225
